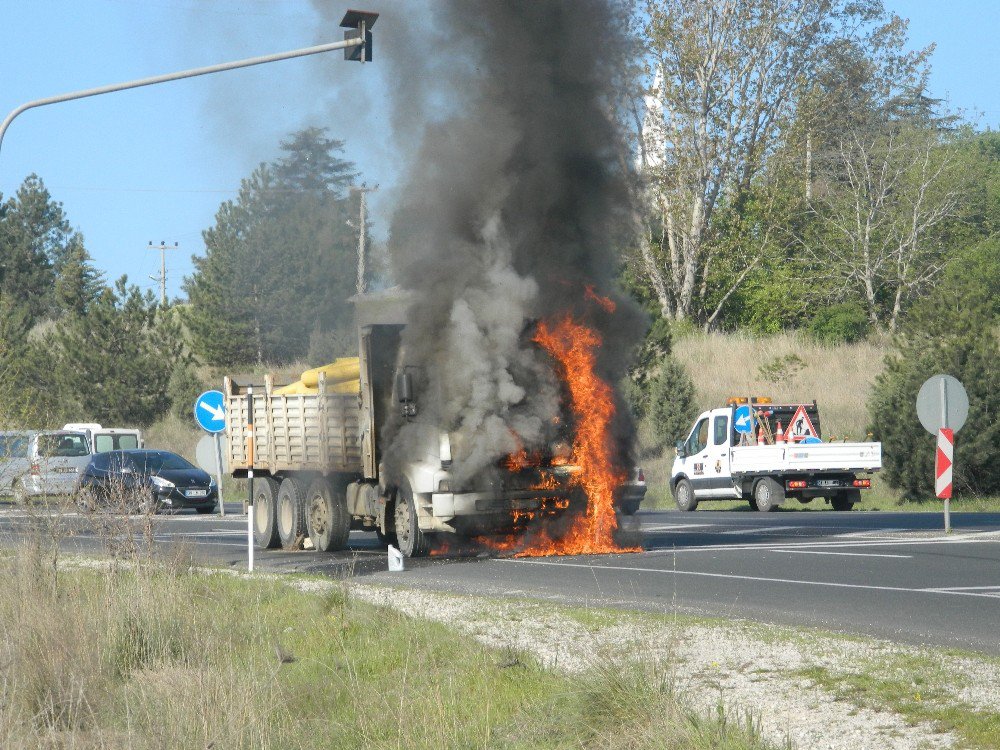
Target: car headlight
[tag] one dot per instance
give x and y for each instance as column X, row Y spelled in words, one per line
column 212, row 483
column 161, row 483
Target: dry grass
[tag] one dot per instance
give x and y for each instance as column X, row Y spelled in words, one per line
column 840, row 378
column 146, row 656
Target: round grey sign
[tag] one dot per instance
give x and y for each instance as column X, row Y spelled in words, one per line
column 942, row 402
column 204, row 453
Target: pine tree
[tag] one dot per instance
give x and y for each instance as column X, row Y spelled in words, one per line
column 953, row 331
column 114, row 364
column 279, row 260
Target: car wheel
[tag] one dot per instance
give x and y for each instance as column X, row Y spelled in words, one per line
column 327, row 519
column 20, row 493
column 291, row 513
column 412, row 541
column 684, row 496
column 85, row 500
column 265, row 513
column 768, row 494
column 149, row 503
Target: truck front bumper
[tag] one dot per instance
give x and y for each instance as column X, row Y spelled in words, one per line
column 451, row 504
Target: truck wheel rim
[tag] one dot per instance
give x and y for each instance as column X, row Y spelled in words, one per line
column 285, row 516
column 320, row 516
column 260, row 514
column 403, row 521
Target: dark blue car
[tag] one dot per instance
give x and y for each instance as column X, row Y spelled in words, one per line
column 145, row 481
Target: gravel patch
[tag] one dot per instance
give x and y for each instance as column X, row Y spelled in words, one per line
column 730, row 665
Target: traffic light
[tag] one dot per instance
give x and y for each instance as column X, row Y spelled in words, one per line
column 358, row 23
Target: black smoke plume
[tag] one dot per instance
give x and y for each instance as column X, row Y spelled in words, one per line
column 515, row 203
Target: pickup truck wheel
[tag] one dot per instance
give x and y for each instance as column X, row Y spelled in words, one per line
column 291, row 515
column 684, row 496
column 768, row 494
column 412, row 541
column 845, row 500
column 327, row 519
column 265, row 513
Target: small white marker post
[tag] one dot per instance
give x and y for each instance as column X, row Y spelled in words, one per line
column 250, row 478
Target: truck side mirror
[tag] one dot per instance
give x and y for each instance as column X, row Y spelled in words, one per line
column 404, row 394
column 404, row 387
column 681, row 449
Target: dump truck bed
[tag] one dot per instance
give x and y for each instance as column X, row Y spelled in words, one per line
column 293, row 432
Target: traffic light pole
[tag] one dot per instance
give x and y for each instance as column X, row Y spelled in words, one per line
column 359, row 41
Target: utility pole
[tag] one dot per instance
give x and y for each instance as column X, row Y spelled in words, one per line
column 362, row 191
column 162, row 278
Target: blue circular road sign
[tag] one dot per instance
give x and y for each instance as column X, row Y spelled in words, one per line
column 210, row 411
column 743, row 420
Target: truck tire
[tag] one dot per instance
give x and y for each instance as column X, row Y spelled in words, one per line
column 684, row 496
column 412, row 541
column 327, row 519
column 769, row 494
column 845, row 500
column 291, row 517
column 265, row 513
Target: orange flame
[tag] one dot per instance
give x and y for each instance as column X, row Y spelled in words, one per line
column 573, row 346
column 606, row 303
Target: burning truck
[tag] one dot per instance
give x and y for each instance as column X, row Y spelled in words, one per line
column 368, row 455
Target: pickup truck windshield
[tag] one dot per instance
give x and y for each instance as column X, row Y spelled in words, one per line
column 699, row 438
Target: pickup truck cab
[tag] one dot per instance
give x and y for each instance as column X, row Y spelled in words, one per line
column 717, row 462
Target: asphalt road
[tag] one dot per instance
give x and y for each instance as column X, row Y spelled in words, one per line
column 891, row 575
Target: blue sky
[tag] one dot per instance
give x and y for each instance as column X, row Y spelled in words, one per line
column 154, row 164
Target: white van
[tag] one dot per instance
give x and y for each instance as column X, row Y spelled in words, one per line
column 55, row 459
column 104, row 439
column 13, row 458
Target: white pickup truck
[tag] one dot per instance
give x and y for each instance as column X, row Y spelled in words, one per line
column 718, row 462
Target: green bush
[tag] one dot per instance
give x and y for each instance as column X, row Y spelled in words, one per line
column 671, row 402
column 951, row 332
column 844, row 323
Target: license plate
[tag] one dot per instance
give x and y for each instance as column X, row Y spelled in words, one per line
column 196, row 493
column 64, row 470
column 828, row 483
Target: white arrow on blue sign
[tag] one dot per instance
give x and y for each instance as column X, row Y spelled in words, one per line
column 743, row 420
column 210, row 411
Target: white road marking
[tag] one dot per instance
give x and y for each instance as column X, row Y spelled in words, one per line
column 868, row 533
column 759, row 529
column 732, row 576
column 846, row 554
column 677, row 526
column 954, row 539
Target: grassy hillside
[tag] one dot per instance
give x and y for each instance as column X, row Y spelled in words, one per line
column 790, row 368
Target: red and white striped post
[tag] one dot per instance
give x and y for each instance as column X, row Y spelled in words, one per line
column 944, row 461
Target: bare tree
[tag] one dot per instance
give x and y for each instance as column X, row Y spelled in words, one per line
column 725, row 75
column 731, row 83
column 879, row 203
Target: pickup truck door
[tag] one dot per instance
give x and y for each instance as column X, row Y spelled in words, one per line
column 708, row 448
column 719, row 470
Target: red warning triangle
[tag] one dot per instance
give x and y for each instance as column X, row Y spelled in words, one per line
column 800, row 426
column 943, row 462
